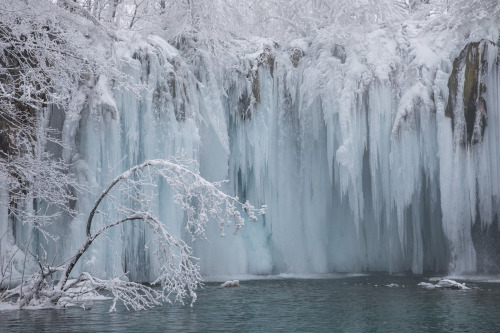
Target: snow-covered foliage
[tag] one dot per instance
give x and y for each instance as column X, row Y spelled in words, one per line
column 49, row 59
column 45, row 56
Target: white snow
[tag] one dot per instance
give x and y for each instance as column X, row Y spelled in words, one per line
column 445, row 284
column 231, row 283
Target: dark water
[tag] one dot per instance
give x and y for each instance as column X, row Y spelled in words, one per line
column 345, row 304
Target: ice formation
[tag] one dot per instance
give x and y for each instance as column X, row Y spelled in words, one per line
column 365, row 164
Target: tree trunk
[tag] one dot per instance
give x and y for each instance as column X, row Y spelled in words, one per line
column 114, row 6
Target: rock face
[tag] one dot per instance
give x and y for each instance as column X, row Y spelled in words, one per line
column 466, row 104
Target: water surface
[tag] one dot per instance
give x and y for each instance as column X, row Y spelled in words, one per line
column 341, row 304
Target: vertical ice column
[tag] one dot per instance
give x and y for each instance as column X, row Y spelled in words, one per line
column 4, row 223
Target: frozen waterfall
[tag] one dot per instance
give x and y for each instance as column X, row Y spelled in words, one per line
column 359, row 172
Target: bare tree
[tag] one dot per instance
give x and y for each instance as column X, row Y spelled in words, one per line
column 178, row 275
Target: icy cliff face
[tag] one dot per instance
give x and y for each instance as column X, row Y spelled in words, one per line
column 364, row 167
column 367, row 160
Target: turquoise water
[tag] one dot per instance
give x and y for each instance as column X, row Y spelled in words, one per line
column 341, row 304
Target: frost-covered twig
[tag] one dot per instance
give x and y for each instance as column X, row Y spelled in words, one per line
column 178, row 276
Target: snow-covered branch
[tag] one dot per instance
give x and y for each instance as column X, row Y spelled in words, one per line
column 178, row 276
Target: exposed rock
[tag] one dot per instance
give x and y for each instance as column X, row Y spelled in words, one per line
column 247, row 100
column 254, row 78
column 295, row 55
column 339, row 52
column 267, row 57
column 467, row 80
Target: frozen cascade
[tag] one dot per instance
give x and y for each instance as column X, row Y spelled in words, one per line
column 358, row 173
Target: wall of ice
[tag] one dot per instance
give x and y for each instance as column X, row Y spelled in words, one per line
column 363, row 165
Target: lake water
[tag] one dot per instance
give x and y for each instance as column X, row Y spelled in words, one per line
column 332, row 304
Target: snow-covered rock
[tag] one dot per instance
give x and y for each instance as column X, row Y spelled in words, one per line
column 451, row 284
column 427, row 285
column 444, row 283
column 233, row 283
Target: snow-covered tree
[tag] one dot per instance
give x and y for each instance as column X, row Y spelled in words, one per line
column 50, row 56
column 178, row 275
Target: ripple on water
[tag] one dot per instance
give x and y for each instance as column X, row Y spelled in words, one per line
column 358, row 303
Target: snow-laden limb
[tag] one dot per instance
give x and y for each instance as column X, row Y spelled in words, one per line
column 47, row 61
column 178, row 275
